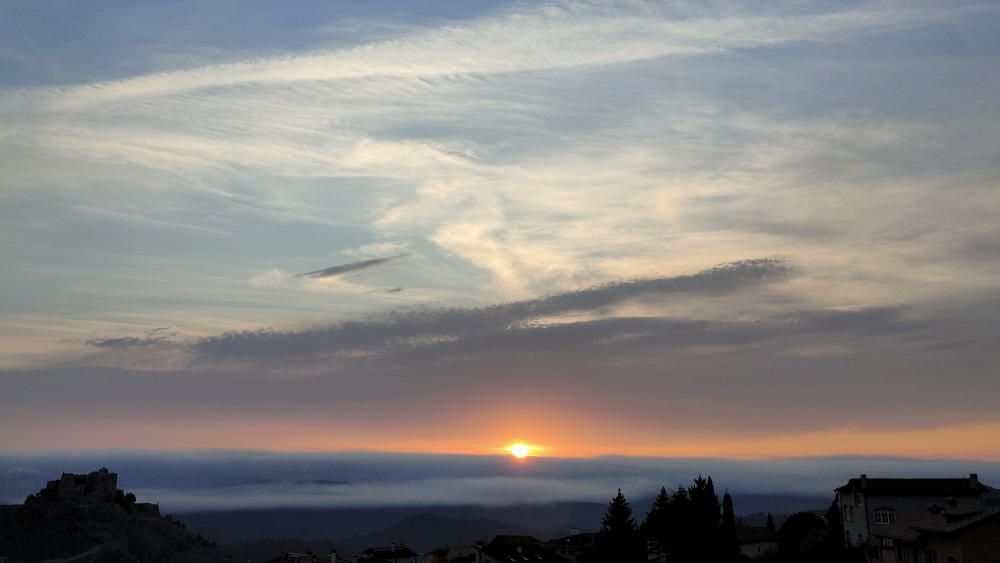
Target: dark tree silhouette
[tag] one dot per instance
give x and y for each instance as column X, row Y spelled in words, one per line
column 656, row 518
column 619, row 538
column 770, row 523
column 706, row 516
column 680, row 524
column 802, row 536
column 730, row 541
column 657, row 527
column 834, row 544
column 705, row 503
column 618, row 518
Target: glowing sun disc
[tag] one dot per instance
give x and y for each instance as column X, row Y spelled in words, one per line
column 520, row 451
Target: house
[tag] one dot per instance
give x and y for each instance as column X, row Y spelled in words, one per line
column 462, row 554
column 573, row 546
column 757, row 541
column 292, row 557
column 391, row 554
column 877, row 512
column 515, row 549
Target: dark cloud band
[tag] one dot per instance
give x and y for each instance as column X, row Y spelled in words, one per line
column 350, row 267
column 450, row 324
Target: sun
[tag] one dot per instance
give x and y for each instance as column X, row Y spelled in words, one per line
column 520, row 451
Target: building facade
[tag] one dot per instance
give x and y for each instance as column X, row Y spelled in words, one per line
column 896, row 519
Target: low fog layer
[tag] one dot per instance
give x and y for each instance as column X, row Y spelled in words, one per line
column 193, row 481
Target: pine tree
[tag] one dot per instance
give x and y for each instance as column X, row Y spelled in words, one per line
column 618, row 518
column 680, row 497
column 707, row 511
column 680, row 523
column 619, row 539
column 656, row 528
column 656, row 517
column 770, row 523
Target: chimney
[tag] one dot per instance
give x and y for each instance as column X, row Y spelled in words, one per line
column 864, row 481
column 974, row 480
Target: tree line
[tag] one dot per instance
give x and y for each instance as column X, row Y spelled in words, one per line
column 690, row 525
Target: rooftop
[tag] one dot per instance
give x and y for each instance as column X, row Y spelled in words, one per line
column 937, row 520
column 960, row 487
column 519, row 549
column 582, row 539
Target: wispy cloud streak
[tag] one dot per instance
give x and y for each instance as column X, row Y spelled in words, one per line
column 350, row 267
column 562, row 35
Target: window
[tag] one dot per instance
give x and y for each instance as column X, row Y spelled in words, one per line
column 850, row 512
column 930, row 556
column 857, row 499
column 902, row 554
column 885, row 516
column 887, row 542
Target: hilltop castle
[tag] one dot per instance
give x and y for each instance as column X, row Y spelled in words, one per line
column 88, row 519
column 97, row 487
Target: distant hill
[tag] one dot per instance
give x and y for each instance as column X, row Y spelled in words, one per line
column 337, row 524
column 257, row 535
column 748, row 504
column 250, row 534
column 87, row 519
column 423, row 532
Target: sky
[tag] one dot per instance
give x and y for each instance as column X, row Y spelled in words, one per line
column 678, row 229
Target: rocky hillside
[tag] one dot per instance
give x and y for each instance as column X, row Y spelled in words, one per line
column 88, row 519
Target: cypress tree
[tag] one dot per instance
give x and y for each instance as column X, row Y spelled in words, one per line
column 770, row 523
column 705, row 533
column 730, row 540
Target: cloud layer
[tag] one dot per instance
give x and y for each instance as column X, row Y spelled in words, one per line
column 189, row 481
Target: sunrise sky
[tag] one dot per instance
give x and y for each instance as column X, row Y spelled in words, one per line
column 642, row 228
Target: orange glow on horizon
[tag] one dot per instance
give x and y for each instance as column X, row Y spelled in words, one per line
column 565, row 438
column 520, row 451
